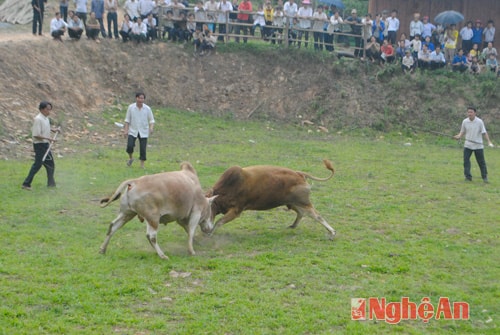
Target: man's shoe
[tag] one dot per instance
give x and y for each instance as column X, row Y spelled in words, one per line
column 26, row 187
column 129, row 162
column 468, row 179
column 486, row 180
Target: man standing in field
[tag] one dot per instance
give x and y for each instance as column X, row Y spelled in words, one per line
column 41, row 144
column 139, row 123
column 473, row 129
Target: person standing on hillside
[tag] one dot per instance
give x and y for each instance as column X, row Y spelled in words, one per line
column 41, row 144
column 63, row 9
column 474, row 130
column 38, row 9
column 244, row 17
column 139, row 124
column 111, row 6
column 392, row 27
column 81, row 11
column 97, row 6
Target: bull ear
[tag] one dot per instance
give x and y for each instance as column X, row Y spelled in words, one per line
column 209, row 193
column 211, row 199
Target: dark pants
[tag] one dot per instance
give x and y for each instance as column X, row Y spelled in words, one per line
column 467, row 46
column 245, row 31
column 76, row 34
column 358, row 44
column 306, row 37
column 479, row 153
column 143, row 143
column 318, row 40
column 37, row 22
column 93, row 33
column 222, row 31
column 112, row 17
column 328, row 41
column 83, row 17
column 64, row 12
column 391, row 36
column 40, row 150
column 125, row 36
column 57, row 34
column 101, row 24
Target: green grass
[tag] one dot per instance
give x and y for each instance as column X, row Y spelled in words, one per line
column 407, row 226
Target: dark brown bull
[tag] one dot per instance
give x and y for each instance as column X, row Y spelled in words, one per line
column 264, row 187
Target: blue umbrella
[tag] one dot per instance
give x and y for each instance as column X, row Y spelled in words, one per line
column 449, row 17
column 337, row 3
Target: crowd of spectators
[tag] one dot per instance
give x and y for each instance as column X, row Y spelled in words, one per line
column 374, row 38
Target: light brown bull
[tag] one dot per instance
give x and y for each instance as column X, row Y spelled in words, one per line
column 162, row 198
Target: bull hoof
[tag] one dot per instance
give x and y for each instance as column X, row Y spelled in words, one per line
column 332, row 235
column 102, row 251
column 163, row 256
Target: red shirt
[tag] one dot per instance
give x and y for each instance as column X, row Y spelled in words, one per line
column 387, row 50
column 244, row 6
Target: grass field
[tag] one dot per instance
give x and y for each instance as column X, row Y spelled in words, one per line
column 407, row 226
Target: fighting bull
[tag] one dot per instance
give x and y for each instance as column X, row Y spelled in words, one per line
column 264, row 187
column 162, row 198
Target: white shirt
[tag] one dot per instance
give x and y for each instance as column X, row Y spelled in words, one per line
column 466, row 33
column 290, row 9
column 435, row 57
column 132, row 8
column 223, row 8
column 146, row 6
column 335, row 23
column 81, row 6
column 304, row 12
column 416, row 27
column 367, row 27
column 473, row 131
column 41, row 128
column 319, row 21
column 139, row 120
column 76, row 24
column 139, row 29
column 57, row 24
column 393, row 24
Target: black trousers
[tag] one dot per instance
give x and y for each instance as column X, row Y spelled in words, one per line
column 37, row 22
column 479, row 153
column 50, row 167
column 143, row 143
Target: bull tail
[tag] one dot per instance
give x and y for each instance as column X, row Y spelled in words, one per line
column 328, row 165
column 106, row 201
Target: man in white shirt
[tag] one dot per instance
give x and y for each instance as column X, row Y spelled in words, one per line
column 57, row 27
column 224, row 7
column 290, row 10
column 416, row 26
column 437, row 58
column 81, row 10
column 145, row 8
column 304, row 15
column 75, row 27
column 392, row 27
column 474, row 130
column 139, row 124
column 41, row 144
column 139, row 31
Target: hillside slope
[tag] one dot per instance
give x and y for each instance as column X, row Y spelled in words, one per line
column 83, row 78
